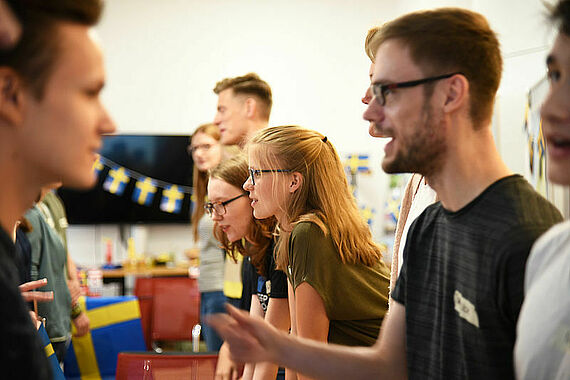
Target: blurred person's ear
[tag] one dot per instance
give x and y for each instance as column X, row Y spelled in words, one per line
column 11, row 107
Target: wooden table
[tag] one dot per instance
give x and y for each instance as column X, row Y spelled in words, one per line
column 118, row 275
column 161, row 271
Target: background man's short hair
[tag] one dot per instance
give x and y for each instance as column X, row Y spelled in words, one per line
column 249, row 84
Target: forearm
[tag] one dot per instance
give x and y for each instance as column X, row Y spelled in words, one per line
column 71, row 269
column 290, row 374
column 385, row 360
column 278, row 316
column 265, row 371
column 330, row 361
column 72, row 280
column 248, row 371
column 225, row 368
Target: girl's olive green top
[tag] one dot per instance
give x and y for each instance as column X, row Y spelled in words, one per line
column 355, row 296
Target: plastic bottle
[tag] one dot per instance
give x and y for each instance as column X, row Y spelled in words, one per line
column 108, row 252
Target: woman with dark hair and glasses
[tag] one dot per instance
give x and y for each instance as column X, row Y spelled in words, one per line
column 238, row 232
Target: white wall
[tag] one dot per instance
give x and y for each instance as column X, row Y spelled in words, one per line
column 164, row 57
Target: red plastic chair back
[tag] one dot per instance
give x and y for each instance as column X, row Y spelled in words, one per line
column 143, row 291
column 176, row 308
column 151, row 366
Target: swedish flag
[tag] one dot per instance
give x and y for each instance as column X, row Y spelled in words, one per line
column 144, row 191
column 50, row 353
column 115, row 327
column 541, row 149
column 392, row 211
column 358, row 163
column 171, row 199
column 116, row 181
column 368, row 214
column 531, row 153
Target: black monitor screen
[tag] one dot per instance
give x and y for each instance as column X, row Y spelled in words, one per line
column 120, row 194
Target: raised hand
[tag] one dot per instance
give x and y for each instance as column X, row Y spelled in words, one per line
column 29, row 295
column 251, row 340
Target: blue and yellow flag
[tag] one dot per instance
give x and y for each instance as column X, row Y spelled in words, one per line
column 145, row 189
column 116, row 181
column 368, row 214
column 392, row 213
column 171, row 199
column 115, row 327
column 541, row 150
column 531, row 153
column 56, row 371
column 358, row 163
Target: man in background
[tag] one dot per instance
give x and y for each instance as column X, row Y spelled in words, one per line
column 51, row 122
column 244, row 106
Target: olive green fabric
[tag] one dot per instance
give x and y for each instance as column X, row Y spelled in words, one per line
column 355, row 296
column 49, row 260
column 55, row 214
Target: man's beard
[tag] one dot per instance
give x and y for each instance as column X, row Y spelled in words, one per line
column 423, row 153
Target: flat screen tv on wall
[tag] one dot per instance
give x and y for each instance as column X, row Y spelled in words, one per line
column 140, row 179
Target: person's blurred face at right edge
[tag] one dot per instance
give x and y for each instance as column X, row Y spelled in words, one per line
column 555, row 111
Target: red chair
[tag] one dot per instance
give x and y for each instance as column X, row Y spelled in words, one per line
column 175, row 308
column 147, row 366
column 143, row 291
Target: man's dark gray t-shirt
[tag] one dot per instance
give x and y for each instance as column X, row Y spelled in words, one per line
column 462, row 281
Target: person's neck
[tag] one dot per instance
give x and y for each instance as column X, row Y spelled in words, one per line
column 283, row 221
column 18, row 191
column 253, row 128
column 471, row 165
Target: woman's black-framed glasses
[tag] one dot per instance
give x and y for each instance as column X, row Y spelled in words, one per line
column 379, row 90
column 220, row 207
column 257, row 172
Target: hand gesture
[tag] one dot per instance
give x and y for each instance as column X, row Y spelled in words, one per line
column 28, row 295
column 250, row 339
column 227, row 369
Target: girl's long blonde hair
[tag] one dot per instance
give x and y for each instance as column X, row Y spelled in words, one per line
column 323, row 197
column 200, row 179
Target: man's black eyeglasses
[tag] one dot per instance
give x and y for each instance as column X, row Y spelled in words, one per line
column 257, row 172
column 380, row 90
column 220, row 207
